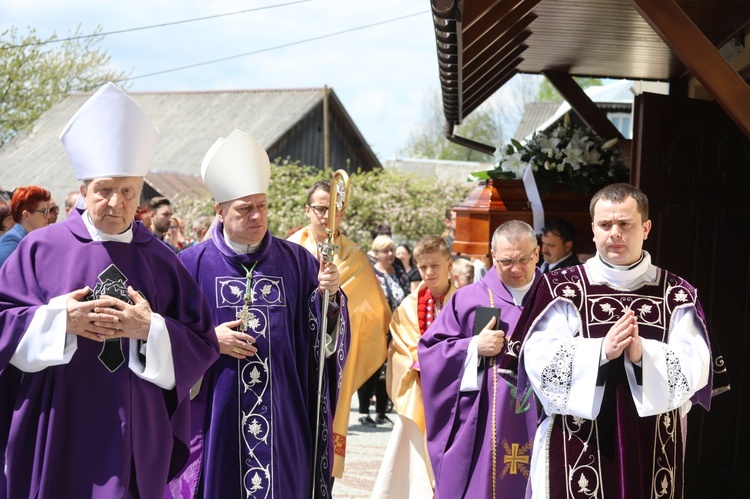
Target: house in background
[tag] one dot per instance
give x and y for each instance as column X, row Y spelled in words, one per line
column 306, row 125
column 614, row 99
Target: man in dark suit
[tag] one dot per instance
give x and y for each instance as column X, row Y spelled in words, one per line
column 557, row 245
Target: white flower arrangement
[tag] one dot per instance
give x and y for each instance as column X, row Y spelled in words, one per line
column 569, row 155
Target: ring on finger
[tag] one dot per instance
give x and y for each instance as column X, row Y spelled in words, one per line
column 236, row 350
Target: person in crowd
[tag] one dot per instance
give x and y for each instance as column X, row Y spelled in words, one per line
column 176, row 235
column 369, row 313
column 558, row 236
column 449, row 234
column 481, row 267
column 382, row 230
column 395, row 285
column 6, row 217
column 479, row 442
column 406, row 470
column 462, row 273
column 617, row 350
column 70, row 201
column 201, row 225
column 258, row 424
column 160, row 211
column 102, row 330
column 29, row 208
column 404, row 255
column 54, row 211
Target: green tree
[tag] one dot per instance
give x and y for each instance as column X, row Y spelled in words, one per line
column 428, row 140
column 37, row 73
column 548, row 93
column 492, row 123
column 411, row 204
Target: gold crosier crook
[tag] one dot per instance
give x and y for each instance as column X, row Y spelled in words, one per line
column 338, row 199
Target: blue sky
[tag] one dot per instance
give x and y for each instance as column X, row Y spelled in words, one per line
column 382, row 74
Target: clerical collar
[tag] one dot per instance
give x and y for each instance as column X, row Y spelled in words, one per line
column 240, row 249
column 621, row 267
column 520, row 292
column 97, row 235
column 622, row 275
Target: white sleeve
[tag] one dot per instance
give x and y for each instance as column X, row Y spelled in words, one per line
column 674, row 371
column 332, row 340
column 46, row 343
column 159, row 366
column 562, row 366
column 472, row 377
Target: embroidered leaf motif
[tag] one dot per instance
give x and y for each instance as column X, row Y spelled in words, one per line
column 681, row 296
column 645, row 309
column 606, row 307
column 254, row 376
column 583, row 484
column 667, row 422
column 568, row 292
column 578, row 421
column 265, row 290
column 254, row 428
column 664, row 486
column 257, row 483
column 253, row 322
column 235, row 290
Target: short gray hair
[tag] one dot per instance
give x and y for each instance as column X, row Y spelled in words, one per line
column 514, row 231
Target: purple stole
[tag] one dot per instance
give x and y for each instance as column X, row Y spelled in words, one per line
column 619, row 454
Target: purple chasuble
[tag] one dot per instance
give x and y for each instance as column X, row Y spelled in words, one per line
column 77, row 429
column 619, row 454
column 254, row 419
column 461, row 435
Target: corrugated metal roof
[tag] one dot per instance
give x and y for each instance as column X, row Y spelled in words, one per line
column 172, row 184
column 189, row 123
column 617, row 95
column 534, row 114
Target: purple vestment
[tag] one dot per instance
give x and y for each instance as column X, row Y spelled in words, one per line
column 460, row 436
column 77, row 429
column 255, row 418
column 619, row 454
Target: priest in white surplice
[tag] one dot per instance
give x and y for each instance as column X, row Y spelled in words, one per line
column 617, row 351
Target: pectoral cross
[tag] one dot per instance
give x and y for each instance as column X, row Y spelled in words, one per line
column 243, row 315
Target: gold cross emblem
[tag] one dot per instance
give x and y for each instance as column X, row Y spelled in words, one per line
column 514, row 459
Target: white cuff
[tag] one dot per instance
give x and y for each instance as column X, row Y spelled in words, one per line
column 159, row 367
column 46, row 343
column 331, row 341
column 471, row 379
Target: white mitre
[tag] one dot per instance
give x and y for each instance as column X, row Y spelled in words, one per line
column 110, row 136
column 235, row 167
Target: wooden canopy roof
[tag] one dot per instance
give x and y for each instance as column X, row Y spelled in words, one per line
column 481, row 44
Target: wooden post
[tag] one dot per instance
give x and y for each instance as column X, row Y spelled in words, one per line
column 326, row 131
column 699, row 55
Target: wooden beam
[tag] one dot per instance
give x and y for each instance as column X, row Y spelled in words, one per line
column 699, row 55
column 583, row 105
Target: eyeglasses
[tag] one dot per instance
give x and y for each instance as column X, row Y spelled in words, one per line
column 45, row 213
column 55, row 210
column 507, row 263
column 319, row 210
